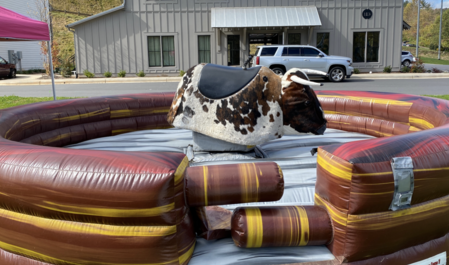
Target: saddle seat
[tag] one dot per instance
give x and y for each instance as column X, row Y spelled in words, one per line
column 219, row 81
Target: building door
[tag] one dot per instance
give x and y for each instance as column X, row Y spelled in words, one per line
column 233, row 49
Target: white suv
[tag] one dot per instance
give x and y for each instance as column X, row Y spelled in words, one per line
column 281, row 58
column 408, row 58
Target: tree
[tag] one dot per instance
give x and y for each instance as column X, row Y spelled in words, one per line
column 427, row 18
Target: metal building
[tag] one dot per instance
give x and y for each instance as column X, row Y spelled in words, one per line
column 166, row 36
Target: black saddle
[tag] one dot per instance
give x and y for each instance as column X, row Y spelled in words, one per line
column 219, row 81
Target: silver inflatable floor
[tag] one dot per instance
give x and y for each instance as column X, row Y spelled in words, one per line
column 292, row 153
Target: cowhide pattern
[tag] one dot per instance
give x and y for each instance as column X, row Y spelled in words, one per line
column 252, row 116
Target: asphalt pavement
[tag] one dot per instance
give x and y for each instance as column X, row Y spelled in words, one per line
column 438, row 66
column 407, row 86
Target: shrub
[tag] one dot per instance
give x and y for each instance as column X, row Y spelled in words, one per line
column 356, row 71
column 405, row 69
column 141, row 74
column 66, row 66
column 107, row 74
column 436, row 70
column 182, row 73
column 418, row 67
column 88, row 74
column 122, row 73
column 387, row 69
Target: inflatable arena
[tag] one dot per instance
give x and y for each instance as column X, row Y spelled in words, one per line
column 236, row 167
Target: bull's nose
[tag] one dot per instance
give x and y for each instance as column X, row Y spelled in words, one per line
column 321, row 130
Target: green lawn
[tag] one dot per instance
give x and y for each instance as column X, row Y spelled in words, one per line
column 438, row 96
column 434, row 61
column 11, row 101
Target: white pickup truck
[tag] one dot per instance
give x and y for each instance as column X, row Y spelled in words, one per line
column 281, row 58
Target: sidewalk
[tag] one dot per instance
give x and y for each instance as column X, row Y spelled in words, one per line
column 28, row 80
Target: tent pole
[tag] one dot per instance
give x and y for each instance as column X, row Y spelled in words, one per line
column 51, row 70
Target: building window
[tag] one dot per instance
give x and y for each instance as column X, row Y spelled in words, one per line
column 366, row 47
column 322, row 42
column 158, row 57
column 233, row 49
column 294, row 38
column 204, row 49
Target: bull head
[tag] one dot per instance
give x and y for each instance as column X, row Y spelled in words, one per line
column 300, row 101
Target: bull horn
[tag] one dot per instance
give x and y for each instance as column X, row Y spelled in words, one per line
column 313, row 72
column 304, row 82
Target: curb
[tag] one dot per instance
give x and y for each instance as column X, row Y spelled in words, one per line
column 400, row 76
column 178, row 79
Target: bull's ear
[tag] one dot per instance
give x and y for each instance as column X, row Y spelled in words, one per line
column 304, row 82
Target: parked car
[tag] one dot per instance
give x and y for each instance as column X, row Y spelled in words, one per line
column 7, row 69
column 281, row 58
column 408, row 59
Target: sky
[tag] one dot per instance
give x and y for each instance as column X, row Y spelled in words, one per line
column 437, row 3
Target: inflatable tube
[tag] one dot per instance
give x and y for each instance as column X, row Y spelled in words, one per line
column 288, row 226
column 232, row 184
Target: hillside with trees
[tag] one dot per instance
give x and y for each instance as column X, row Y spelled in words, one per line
column 64, row 12
column 429, row 24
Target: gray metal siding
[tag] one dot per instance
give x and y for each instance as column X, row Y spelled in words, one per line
column 118, row 40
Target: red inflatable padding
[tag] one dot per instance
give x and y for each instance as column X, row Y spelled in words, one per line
column 355, row 182
column 113, row 207
column 235, row 183
column 433, row 252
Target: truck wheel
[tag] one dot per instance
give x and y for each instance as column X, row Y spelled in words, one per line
column 12, row 73
column 278, row 70
column 337, row 74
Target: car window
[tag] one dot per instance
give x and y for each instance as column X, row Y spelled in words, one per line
column 404, row 53
column 269, row 51
column 2, row 61
column 309, row 52
column 291, row 51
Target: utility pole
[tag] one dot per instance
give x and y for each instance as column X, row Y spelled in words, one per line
column 50, row 59
column 441, row 29
column 417, row 32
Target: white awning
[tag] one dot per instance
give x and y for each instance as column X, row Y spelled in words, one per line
column 279, row 16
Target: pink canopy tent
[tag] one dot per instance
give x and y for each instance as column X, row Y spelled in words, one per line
column 16, row 27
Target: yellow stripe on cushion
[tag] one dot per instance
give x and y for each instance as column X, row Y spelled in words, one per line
column 41, row 257
column 205, row 176
column 184, row 257
column 255, row 227
column 81, row 116
column 333, row 167
column 421, row 123
column 336, row 215
column 107, row 212
column 387, row 220
column 370, row 100
column 89, row 228
column 122, row 113
column 179, row 174
column 249, row 182
column 304, row 226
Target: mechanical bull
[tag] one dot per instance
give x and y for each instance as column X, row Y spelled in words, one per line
column 246, row 107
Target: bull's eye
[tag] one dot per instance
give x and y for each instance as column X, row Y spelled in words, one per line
column 307, row 103
column 265, row 79
column 304, row 90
